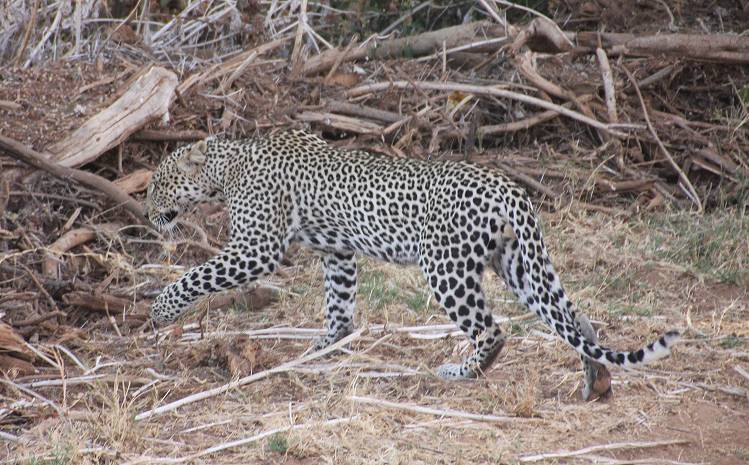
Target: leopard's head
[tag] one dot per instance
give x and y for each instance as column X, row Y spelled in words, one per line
column 179, row 183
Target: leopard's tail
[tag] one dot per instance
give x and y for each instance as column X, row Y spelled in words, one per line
column 541, row 291
column 625, row 359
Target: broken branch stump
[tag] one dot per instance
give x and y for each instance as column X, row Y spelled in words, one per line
column 148, row 98
column 69, row 240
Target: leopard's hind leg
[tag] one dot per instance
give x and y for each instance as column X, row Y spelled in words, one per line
column 454, row 274
column 339, row 271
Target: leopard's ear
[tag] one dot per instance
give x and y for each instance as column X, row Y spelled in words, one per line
column 193, row 158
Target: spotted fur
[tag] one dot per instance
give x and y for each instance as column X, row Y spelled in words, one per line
column 453, row 219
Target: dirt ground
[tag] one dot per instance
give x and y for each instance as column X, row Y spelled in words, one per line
column 633, row 281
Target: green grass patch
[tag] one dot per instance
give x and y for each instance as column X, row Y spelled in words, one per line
column 631, row 310
column 301, row 289
column 731, row 341
column 716, row 244
column 382, row 290
column 620, row 283
column 278, row 444
column 742, row 453
column 522, row 327
column 416, row 301
column 59, row 457
column 738, row 197
column 377, row 288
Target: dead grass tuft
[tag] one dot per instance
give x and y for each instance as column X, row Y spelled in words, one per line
column 114, row 426
column 525, row 394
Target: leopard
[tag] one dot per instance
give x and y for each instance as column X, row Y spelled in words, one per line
column 453, row 219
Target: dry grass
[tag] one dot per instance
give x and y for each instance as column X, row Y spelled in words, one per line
column 635, row 278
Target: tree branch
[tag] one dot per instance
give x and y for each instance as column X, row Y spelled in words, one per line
column 18, row 151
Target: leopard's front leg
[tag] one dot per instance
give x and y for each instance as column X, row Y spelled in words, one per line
column 240, row 262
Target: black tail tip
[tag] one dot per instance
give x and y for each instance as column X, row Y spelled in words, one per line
column 669, row 338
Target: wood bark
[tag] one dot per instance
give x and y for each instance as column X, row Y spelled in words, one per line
column 104, row 303
column 153, row 135
column 136, row 181
column 345, row 123
column 14, row 355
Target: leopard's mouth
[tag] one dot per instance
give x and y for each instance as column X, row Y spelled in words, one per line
column 164, row 220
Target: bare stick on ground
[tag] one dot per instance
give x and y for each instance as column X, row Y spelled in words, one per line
column 616, row 446
column 247, row 379
column 608, row 85
column 439, row 412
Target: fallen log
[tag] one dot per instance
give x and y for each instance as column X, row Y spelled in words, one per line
column 336, row 106
column 7, row 105
column 15, row 356
column 413, row 46
column 104, row 303
column 136, row 181
column 717, row 48
column 148, row 98
column 16, row 366
column 345, row 123
column 541, row 35
column 253, row 299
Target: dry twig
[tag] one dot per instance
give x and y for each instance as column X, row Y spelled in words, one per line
column 615, row 446
column 439, row 412
column 608, row 85
column 247, row 379
column 484, row 90
column 686, row 183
